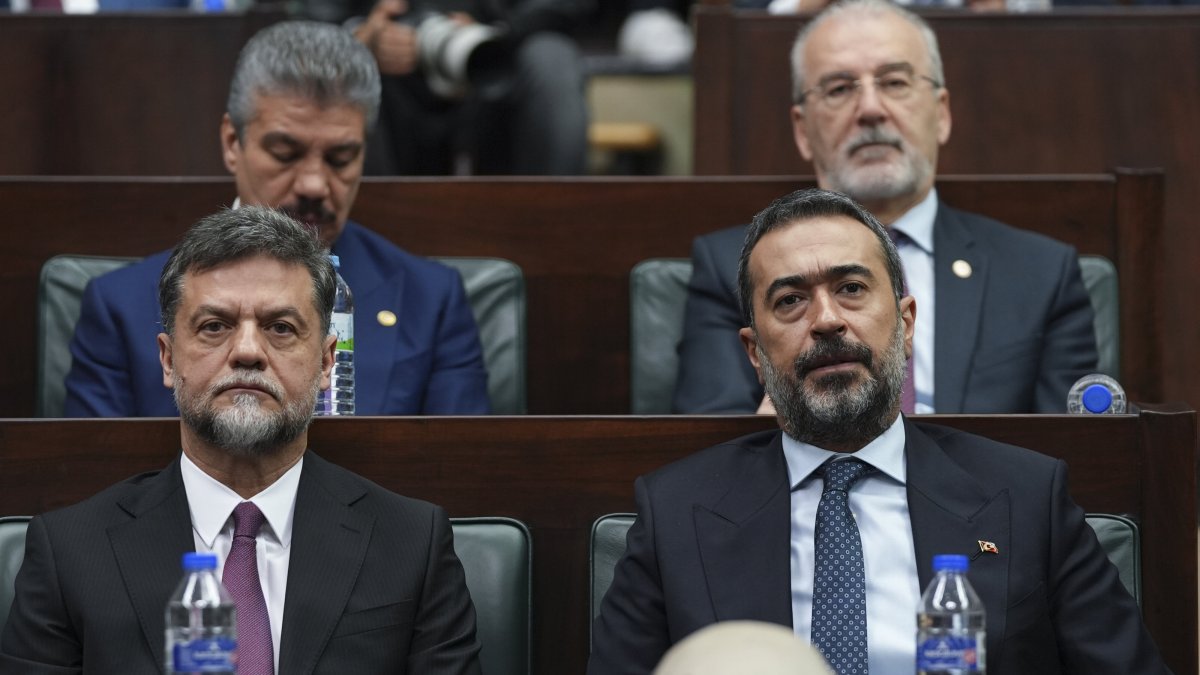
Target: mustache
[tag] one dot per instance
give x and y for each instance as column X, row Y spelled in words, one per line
column 308, row 209
column 830, row 351
column 247, row 380
column 874, row 136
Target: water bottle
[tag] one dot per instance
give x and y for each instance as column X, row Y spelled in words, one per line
column 201, row 633
column 339, row 398
column 1096, row 394
column 951, row 639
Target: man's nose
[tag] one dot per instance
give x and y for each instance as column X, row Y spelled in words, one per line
column 246, row 349
column 870, row 107
column 827, row 316
column 312, row 179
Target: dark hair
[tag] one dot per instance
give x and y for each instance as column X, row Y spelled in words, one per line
column 805, row 205
column 319, row 62
column 234, row 234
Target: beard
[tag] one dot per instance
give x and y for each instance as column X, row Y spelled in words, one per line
column 839, row 409
column 245, row 429
column 881, row 180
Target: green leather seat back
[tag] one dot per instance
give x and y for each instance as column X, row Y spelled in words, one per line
column 496, row 557
column 658, row 293
column 1119, row 537
column 495, row 289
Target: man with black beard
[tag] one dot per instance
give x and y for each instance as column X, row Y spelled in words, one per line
column 1005, row 323
column 830, row 527
column 330, row 573
column 303, row 99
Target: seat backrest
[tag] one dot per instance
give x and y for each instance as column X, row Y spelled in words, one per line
column 12, row 552
column 1100, row 279
column 60, row 293
column 495, row 289
column 1119, row 537
column 658, row 293
column 497, row 558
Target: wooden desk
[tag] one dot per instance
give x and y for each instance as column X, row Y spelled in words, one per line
column 558, row 474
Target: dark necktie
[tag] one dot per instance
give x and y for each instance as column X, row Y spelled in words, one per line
column 908, row 395
column 839, row 611
column 255, row 653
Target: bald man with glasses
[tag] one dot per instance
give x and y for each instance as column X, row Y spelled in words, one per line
column 1005, row 323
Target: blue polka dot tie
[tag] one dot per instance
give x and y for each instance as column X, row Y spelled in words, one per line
column 839, row 611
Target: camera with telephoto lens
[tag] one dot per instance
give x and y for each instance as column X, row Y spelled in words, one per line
column 456, row 57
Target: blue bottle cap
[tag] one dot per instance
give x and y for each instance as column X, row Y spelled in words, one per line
column 1097, row 398
column 337, row 262
column 953, row 563
column 194, row 562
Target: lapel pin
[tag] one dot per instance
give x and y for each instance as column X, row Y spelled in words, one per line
column 961, row 269
column 386, row 318
column 988, row 547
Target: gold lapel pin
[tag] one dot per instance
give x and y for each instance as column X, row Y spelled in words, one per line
column 988, row 547
column 961, row 269
column 386, row 318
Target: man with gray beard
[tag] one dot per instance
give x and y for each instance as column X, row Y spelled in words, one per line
column 1005, row 323
column 329, row 572
column 830, row 527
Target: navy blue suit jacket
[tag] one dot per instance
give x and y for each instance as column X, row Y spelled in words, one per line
column 1010, row 338
column 374, row 585
column 428, row 363
column 712, row 543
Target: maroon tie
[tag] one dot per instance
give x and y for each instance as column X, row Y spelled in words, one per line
column 908, row 395
column 255, row 654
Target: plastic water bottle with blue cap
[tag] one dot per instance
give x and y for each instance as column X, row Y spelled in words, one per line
column 1096, row 394
column 201, row 628
column 951, row 635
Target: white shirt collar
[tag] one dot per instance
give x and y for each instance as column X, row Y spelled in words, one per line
column 917, row 222
column 211, row 502
column 885, row 453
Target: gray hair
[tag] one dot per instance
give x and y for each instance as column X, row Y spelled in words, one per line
column 319, row 62
column 867, row 8
column 804, row 205
column 230, row 235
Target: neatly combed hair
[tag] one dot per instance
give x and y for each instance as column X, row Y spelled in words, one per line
column 235, row 234
column 804, row 205
column 318, row 62
column 866, row 8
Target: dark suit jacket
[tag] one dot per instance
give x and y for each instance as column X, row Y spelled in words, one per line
column 429, row 363
column 1011, row 338
column 711, row 543
column 373, row 585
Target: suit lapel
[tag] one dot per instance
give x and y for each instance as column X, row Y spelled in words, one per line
column 951, row 513
column 374, row 291
column 958, row 306
column 329, row 541
column 744, row 541
column 148, row 549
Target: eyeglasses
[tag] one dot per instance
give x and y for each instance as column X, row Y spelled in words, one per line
column 894, row 86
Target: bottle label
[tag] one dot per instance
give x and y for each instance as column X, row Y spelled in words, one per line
column 342, row 325
column 948, row 653
column 218, row 655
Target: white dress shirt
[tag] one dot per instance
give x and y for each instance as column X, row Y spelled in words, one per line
column 880, row 507
column 916, row 254
column 211, row 504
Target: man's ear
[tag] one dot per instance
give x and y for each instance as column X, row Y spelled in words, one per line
column 800, row 132
column 908, row 315
column 328, row 351
column 164, row 359
column 231, row 148
column 750, row 344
